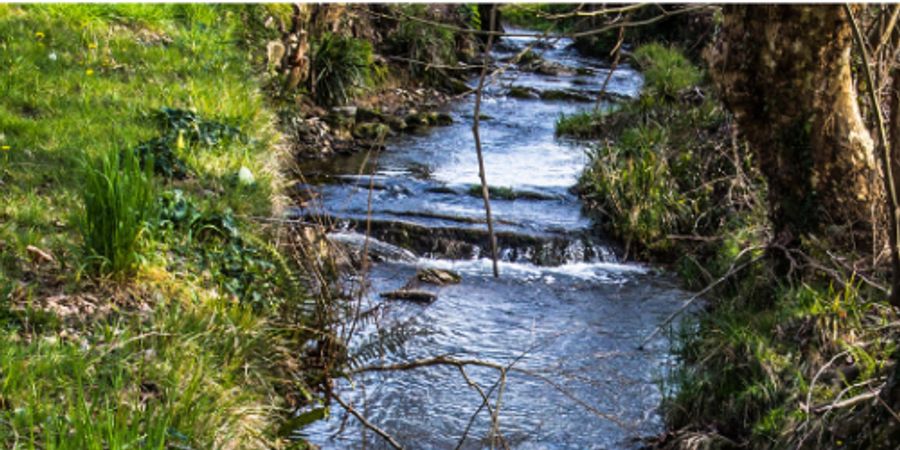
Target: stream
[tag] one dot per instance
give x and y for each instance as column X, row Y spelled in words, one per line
column 565, row 307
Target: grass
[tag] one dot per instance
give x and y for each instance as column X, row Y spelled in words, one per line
column 579, row 125
column 343, row 67
column 667, row 72
column 119, row 200
column 186, row 349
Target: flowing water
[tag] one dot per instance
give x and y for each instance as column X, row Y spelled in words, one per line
column 564, row 308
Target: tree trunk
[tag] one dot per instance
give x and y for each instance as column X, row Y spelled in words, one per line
column 894, row 167
column 785, row 73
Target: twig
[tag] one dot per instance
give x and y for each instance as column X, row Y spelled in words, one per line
column 848, row 402
column 485, row 194
column 365, row 422
column 447, row 360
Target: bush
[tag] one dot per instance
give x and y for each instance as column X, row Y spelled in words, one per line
column 119, row 199
column 343, row 66
column 666, row 70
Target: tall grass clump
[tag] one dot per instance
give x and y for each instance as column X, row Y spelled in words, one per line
column 667, row 72
column 119, row 200
column 343, row 66
column 631, row 182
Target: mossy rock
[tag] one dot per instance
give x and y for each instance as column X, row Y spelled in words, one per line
column 555, row 94
column 416, row 120
column 398, row 124
column 522, row 92
column 368, row 115
column 371, row 131
column 439, row 119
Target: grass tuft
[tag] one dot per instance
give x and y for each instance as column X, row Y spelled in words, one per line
column 343, row 66
column 119, row 199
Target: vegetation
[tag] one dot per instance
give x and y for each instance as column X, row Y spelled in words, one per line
column 343, row 66
column 763, row 367
column 425, row 47
column 667, row 72
column 661, row 170
column 119, row 200
column 187, row 348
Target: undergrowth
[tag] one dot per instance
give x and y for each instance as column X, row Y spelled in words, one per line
column 773, row 358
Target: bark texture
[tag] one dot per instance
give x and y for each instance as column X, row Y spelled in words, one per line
column 785, row 73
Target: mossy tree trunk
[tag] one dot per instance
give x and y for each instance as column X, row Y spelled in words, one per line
column 785, row 73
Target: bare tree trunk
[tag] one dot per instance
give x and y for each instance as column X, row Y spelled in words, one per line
column 785, row 73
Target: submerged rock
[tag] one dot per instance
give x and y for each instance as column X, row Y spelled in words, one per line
column 523, row 92
column 415, row 295
column 554, row 94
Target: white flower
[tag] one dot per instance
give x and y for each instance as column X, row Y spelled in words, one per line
column 52, row 56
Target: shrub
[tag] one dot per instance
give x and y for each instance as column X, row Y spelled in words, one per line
column 343, row 65
column 666, row 70
column 119, row 200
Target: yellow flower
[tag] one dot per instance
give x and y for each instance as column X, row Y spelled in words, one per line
column 179, row 143
column 89, row 72
column 4, row 148
column 39, row 34
column 92, row 45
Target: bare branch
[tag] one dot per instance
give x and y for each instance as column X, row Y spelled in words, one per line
column 365, row 422
column 485, row 193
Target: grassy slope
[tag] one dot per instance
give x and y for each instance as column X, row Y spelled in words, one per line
column 176, row 360
column 747, row 364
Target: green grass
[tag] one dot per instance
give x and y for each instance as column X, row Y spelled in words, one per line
column 667, row 72
column 580, row 125
column 102, row 90
column 343, row 68
column 119, row 201
column 188, row 351
column 184, row 378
